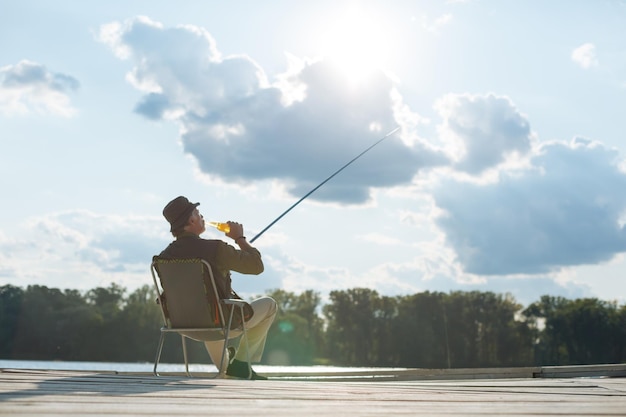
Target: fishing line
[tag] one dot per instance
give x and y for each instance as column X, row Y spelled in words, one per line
column 322, row 183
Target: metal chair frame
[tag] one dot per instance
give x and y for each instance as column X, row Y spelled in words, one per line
column 222, row 331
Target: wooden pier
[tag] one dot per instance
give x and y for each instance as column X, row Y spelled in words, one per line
column 547, row 391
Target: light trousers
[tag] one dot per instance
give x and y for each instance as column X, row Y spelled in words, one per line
column 265, row 310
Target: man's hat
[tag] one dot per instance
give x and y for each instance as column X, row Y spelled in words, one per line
column 177, row 212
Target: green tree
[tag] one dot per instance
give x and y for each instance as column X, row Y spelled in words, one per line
column 384, row 346
column 350, row 334
column 359, row 328
column 107, row 301
column 421, row 331
column 11, row 299
column 582, row 331
column 595, row 336
column 484, row 331
column 138, row 325
column 51, row 324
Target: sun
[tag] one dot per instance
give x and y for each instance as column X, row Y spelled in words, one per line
column 356, row 43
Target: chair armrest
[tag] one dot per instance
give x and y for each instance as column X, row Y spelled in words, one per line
column 234, row 301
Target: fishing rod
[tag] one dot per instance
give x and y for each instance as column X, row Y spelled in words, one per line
column 322, row 183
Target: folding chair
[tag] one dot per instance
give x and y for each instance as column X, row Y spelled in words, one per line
column 189, row 308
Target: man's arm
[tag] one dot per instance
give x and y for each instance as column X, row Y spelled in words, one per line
column 246, row 260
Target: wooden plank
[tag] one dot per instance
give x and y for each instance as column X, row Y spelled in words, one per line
column 611, row 370
column 56, row 393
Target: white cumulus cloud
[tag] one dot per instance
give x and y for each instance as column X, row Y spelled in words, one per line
column 482, row 131
column 564, row 211
column 546, row 206
column 30, row 87
column 585, row 55
column 241, row 127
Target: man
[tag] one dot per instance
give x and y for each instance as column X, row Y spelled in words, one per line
column 187, row 224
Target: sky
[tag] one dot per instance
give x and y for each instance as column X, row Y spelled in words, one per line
column 507, row 173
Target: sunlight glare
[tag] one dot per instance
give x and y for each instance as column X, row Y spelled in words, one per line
column 355, row 42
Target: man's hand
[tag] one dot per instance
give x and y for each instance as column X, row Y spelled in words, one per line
column 236, row 230
column 236, row 233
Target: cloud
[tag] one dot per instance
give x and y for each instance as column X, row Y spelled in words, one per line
column 585, row 55
column 30, row 87
column 80, row 249
column 567, row 209
column 380, row 239
column 510, row 205
column 241, row 127
column 482, row 131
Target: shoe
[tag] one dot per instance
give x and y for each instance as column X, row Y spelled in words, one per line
column 231, row 354
column 240, row 369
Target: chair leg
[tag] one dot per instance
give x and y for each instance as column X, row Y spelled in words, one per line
column 222, row 369
column 185, row 355
column 245, row 336
column 158, row 354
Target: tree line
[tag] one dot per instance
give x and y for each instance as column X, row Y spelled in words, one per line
column 356, row 327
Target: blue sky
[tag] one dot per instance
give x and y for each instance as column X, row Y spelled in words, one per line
column 508, row 173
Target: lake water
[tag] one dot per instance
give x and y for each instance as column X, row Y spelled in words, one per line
column 100, row 366
column 147, row 367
